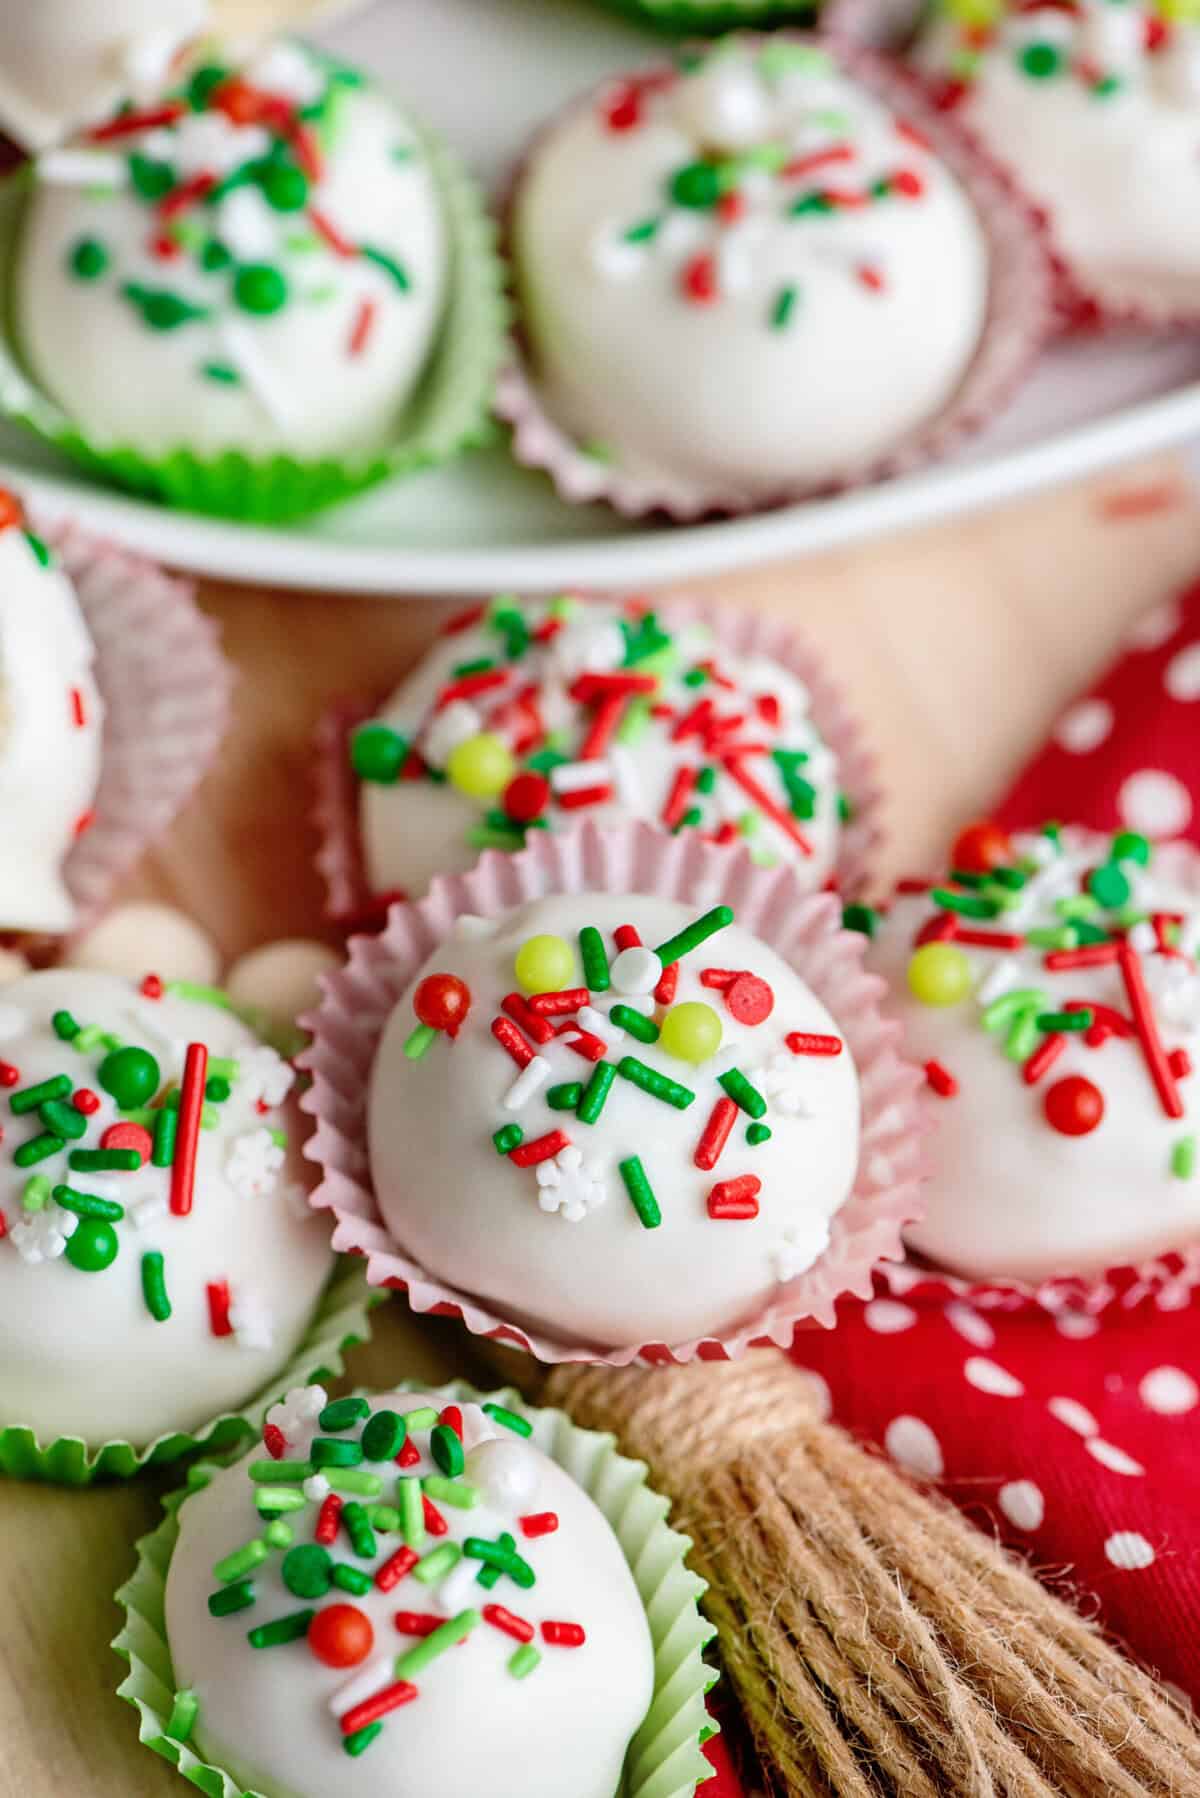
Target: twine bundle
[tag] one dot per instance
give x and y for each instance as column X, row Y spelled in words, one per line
column 879, row 1645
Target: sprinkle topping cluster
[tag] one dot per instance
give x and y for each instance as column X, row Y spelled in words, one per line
column 779, row 134
column 109, row 1143
column 1014, row 926
column 359, row 1501
column 560, row 708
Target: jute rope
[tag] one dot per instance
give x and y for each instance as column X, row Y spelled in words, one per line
column 880, row 1646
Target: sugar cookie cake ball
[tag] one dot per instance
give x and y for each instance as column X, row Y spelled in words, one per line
column 261, row 255
column 51, row 724
column 745, row 273
column 1095, row 108
column 1049, row 984
column 410, row 1598
column 157, row 1261
column 540, row 714
column 609, row 1118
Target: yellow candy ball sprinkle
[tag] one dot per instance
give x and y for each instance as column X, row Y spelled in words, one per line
column 939, row 974
column 691, row 1031
column 481, row 766
column 545, row 964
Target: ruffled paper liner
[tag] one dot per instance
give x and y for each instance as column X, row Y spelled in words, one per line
column 1166, row 1281
column 340, row 859
column 1081, row 304
column 1019, row 318
column 166, row 689
column 449, row 412
column 804, row 928
column 339, row 1323
column 665, row 1758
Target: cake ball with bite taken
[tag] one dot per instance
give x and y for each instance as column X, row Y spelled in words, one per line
column 1049, row 984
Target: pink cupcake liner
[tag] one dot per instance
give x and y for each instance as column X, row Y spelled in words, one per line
column 1165, row 1282
column 803, row 928
column 166, row 689
column 1020, row 318
column 340, row 862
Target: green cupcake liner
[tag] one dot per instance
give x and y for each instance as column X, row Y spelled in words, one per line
column 339, row 1323
column 449, row 413
column 665, row 1758
column 691, row 16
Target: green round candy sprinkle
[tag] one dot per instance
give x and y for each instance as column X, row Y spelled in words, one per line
column 696, row 185
column 1131, row 846
column 383, row 1436
column 92, row 1246
column 377, row 753
column 64, row 1026
column 860, row 917
column 307, row 1570
column 217, row 1089
column 1109, row 885
column 757, row 1133
column 343, row 1414
column 1040, row 61
column 214, row 255
column 285, row 187
column 131, row 1075
column 259, row 288
column 88, row 259
column 447, row 1450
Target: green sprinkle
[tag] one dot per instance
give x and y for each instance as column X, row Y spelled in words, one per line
column 343, row 1414
column 757, row 1133
column 284, row 186
column 241, row 1562
column 384, row 1517
column 696, row 185
column 283, row 1629
column 358, row 1527
column 151, row 179
column 435, row 1565
column 659, row 1086
column 270, row 1500
column 863, row 918
column 1130, row 846
column 35, row 1194
column 423, row 1418
column 636, row 721
column 412, row 1511
column 217, row 1090
column 352, row 1579
column 383, row 1436
column 1065, row 937
column 104, row 1161
column 564, row 1097
column 1064, row 1020
column 38, row 1148
column 327, row 1451
column 360, row 1739
column 418, row 1657
column 86, row 1204
column 508, row 1420
column 307, row 1570
column 214, row 256
column 64, row 1026
column 420, row 1041
column 1022, row 1038
column 1109, row 886
column 30, row 1097
column 1040, row 61
column 161, row 309
column 684, row 941
column 592, row 1100
column 1183, row 1158
column 259, row 288
column 641, row 1193
column 644, row 231
column 967, row 905
column 377, row 753
column 447, row 1450
column 1077, row 905
column 222, row 373
column 460, row 1493
column 1026, row 998
column 706, row 780
column 231, row 1598
column 64, row 1120
column 783, row 307
column 278, row 1534
column 184, row 1712
column 356, row 1480
column 388, row 264
column 523, row 1661
column 507, row 1138
column 487, row 836
column 154, row 1286
column 278, row 1473
column 594, row 957
column 635, row 1022
column 743, row 1093
column 502, row 1556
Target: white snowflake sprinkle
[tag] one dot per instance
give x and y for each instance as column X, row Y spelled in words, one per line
column 569, row 1187
column 252, row 1324
column 799, row 1247
column 253, row 1163
column 317, row 1487
column 447, row 729
column 265, row 1076
column 785, row 1080
column 296, row 1414
column 42, row 1235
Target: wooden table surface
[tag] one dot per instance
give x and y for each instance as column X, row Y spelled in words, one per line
column 958, row 648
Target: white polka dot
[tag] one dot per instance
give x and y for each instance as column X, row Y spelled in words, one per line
column 889, row 1316
column 1169, row 1391
column 1076, row 1325
column 1155, row 626
column 989, row 1376
column 1077, row 1417
column 1023, row 1504
column 1155, row 803
column 973, row 1328
column 1129, row 1550
column 1182, row 676
column 1112, row 1457
column 1085, row 726
column 913, row 1446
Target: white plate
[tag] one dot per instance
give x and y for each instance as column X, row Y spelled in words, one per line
column 485, row 72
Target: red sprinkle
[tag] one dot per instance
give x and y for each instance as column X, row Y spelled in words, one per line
column 625, row 936
column 390, row 1698
column 396, row 1568
column 817, row 159
column 86, row 1101
column 185, row 195
column 9, row 1075
column 539, row 1523
column 731, row 206
column 512, row 1625
column 78, row 711
column 938, row 929
column 765, row 803
column 518, row 1010
column 417, row 1623
column 327, row 1519
column 989, row 939
column 470, row 684
column 341, row 246
column 1147, row 1030
column 677, row 798
column 941, row 1080
column 130, row 124
column 463, row 621
column 435, row 1523
column 1074, row 1106
column 564, row 1635
column 715, row 1134
column 810, row 1042
column 3, row 1226
column 274, row 1441
column 693, row 722
column 587, row 1045
column 581, row 796
column 1092, row 955
column 718, row 978
column 152, row 987
column 871, row 278
column 557, row 1005
column 750, row 999
column 128, row 1136
column 908, row 183
column 699, row 280
column 623, row 112
column 1043, row 1058
column 603, row 727
column 1180, row 1063
column 306, row 148
column 217, row 1292
column 187, row 1135
column 587, row 688
column 664, row 992
column 542, row 1148
column 767, row 707
column 452, row 1417
column 511, row 1040
column 360, row 330
column 84, row 822
column 409, row 1455
column 735, row 1198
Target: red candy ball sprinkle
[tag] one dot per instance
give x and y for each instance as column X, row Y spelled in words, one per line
column 442, row 1001
column 526, row 796
column 1073, row 1106
column 341, row 1635
column 749, row 999
column 980, row 848
column 128, row 1136
column 85, row 1100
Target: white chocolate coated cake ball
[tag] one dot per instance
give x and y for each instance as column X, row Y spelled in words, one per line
column 613, row 1160
column 412, row 1676
column 746, row 277
column 158, row 1263
column 260, row 252
column 1053, row 994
